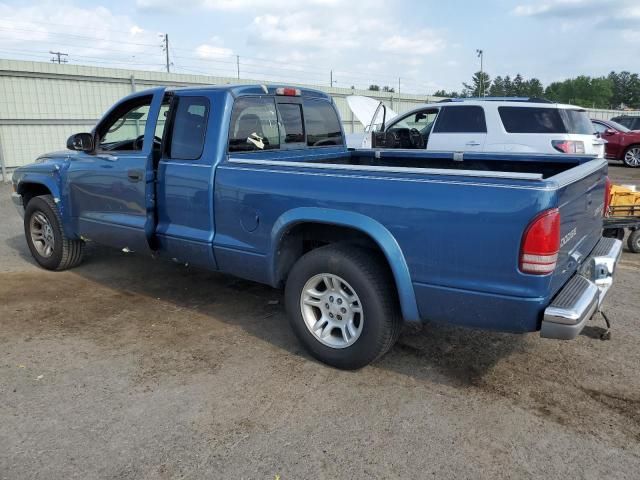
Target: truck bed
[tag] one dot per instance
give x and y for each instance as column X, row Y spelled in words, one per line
column 525, row 167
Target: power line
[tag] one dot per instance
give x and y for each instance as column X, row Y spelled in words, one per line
column 57, row 57
column 166, row 50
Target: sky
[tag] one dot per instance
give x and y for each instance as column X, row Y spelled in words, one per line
column 424, row 45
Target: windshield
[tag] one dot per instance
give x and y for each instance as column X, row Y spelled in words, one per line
column 618, row 126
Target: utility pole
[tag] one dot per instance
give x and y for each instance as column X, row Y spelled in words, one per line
column 58, row 57
column 480, row 54
column 398, row 88
column 331, row 78
column 238, row 65
column 166, row 51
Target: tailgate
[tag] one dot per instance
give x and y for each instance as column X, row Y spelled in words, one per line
column 581, row 204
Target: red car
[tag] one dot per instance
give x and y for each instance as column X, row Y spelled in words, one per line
column 622, row 143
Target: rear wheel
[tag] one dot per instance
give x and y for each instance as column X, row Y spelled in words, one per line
column 633, row 242
column 631, row 156
column 342, row 305
column 48, row 244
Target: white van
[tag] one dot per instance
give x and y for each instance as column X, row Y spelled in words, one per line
column 480, row 124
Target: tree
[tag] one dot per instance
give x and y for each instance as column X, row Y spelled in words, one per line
column 480, row 85
column 497, row 87
column 508, row 86
column 518, row 86
column 374, row 88
column 534, row 88
column 386, row 88
column 582, row 90
column 444, row 93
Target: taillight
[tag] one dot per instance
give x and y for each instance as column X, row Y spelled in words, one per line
column 568, row 146
column 607, row 196
column 541, row 244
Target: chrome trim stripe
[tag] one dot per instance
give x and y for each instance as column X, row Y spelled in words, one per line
column 543, row 187
column 183, row 164
column 370, row 168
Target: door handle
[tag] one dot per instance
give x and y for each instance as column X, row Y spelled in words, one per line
column 134, row 175
column 472, row 144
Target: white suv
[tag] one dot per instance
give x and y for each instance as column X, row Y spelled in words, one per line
column 485, row 125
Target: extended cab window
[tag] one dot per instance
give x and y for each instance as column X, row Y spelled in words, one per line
column 254, row 125
column 291, row 127
column 463, row 119
column 323, row 124
column 189, row 128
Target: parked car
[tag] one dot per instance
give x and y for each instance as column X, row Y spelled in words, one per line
column 622, row 144
column 256, row 182
column 632, row 122
column 488, row 124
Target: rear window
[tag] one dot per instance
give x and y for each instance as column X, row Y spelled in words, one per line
column 323, row 125
column 254, row 125
column 545, row 120
column 577, row 121
column 292, row 130
column 469, row 119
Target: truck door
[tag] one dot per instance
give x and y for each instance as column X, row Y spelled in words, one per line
column 459, row 128
column 112, row 187
column 185, row 178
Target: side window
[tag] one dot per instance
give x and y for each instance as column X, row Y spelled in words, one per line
column 322, row 123
column 120, row 130
column 291, row 128
column 531, row 120
column 254, row 125
column 421, row 121
column 189, row 128
column 462, row 119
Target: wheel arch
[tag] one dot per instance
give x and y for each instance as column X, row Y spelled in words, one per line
column 284, row 253
column 31, row 185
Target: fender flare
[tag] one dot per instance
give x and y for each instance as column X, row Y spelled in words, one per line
column 374, row 229
column 51, row 182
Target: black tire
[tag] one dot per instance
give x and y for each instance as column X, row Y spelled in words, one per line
column 371, row 280
column 613, row 233
column 633, row 242
column 624, row 156
column 67, row 252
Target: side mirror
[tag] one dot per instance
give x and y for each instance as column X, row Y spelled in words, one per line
column 82, row 142
column 609, row 131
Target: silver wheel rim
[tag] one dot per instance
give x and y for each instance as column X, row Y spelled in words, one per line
column 632, row 157
column 331, row 310
column 41, row 234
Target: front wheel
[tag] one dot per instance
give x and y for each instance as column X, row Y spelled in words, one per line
column 342, row 305
column 49, row 245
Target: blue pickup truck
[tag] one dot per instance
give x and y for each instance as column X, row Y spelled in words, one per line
column 257, row 182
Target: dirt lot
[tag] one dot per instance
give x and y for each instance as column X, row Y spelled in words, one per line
column 132, row 368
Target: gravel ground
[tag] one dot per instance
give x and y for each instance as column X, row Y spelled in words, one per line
column 132, row 368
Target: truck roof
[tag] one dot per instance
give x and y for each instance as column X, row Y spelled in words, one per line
column 238, row 90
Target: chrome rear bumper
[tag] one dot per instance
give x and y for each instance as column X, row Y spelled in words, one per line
column 583, row 294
